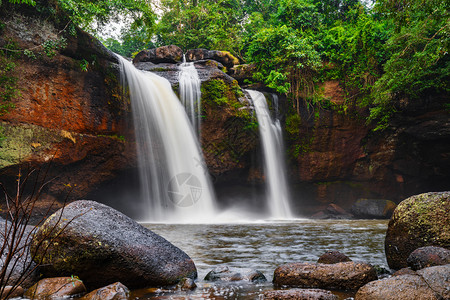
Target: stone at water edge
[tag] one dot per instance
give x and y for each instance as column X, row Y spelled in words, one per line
column 373, row 208
column 300, row 294
column 235, row 274
column 341, row 276
column 115, row 291
column 404, row 271
column 51, row 288
column 18, row 292
column 438, row 279
column 333, row 257
column 429, row 256
column 22, row 257
column 418, row 221
column 395, row 288
column 103, row 246
column 429, row 283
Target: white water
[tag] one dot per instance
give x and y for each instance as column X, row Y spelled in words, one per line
column 175, row 185
column 273, row 148
column 190, row 93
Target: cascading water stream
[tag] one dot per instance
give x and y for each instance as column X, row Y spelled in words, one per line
column 190, row 93
column 273, row 149
column 175, row 186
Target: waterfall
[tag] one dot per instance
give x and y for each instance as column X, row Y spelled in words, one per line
column 190, row 93
column 175, row 185
column 273, row 149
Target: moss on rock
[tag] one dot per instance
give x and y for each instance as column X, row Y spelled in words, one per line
column 419, row 221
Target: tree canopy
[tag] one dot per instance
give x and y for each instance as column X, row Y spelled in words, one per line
column 379, row 51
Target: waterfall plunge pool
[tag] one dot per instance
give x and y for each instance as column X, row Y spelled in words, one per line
column 264, row 246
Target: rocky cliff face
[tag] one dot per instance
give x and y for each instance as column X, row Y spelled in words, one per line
column 336, row 157
column 66, row 110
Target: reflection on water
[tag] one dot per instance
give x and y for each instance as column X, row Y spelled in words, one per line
column 264, row 246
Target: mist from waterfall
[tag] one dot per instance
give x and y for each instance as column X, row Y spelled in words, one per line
column 273, row 149
column 175, row 185
column 190, row 93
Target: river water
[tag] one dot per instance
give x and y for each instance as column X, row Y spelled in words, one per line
column 264, row 246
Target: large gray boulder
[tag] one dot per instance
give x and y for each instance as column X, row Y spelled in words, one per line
column 341, row 276
column 419, row 221
column 103, row 246
column 373, row 208
column 21, row 269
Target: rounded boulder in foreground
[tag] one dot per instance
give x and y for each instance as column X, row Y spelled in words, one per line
column 340, row 276
column 103, row 246
column 395, row 288
column 419, row 221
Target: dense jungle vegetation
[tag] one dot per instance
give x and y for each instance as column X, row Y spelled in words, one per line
column 380, row 51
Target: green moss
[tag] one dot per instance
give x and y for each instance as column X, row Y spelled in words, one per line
column 9, row 88
column 215, row 91
column 22, row 141
column 293, row 123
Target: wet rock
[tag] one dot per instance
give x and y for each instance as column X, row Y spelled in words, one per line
column 427, row 257
column 243, row 72
column 21, row 266
column 103, row 246
column 398, row 287
column 17, row 292
column 234, row 274
column 186, row 284
column 438, row 279
column 404, row 271
column 332, row 211
column 320, row 216
column 224, row 57
column 344, row 275
column 164, row 54
column 60, row 287
column 333, row 257
column 300, row 294
column 115, row 291
column 373, row 208
column 419, row 221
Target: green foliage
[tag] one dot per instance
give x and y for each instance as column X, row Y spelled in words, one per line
column 8, row 81
column 84, row 64
column 28, row 2
column 286, row 61
column 51, row 47
column 201, row 24
column 419, row 61
column 132, row 41
column 96, row 16
column 298, row 14
column 356, row 50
